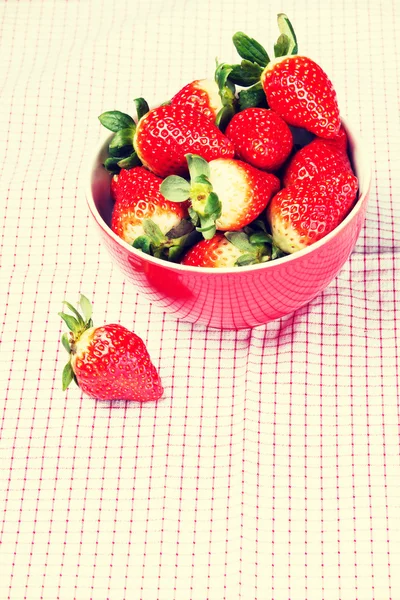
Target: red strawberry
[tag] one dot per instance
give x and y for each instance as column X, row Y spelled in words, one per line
column 137, row 195
column 303, row 213
column 225, row 194
column 165, row 134
column 299, row 90
column 340, row 141
column 231, row 249
column 260, row 137
column 109, row 362
column 319, row 158
column 295, row 86
column 202, row 95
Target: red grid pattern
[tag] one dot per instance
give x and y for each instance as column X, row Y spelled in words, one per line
column 270, row 470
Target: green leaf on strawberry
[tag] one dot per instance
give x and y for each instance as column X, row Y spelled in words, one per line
column 286, row 28
column 77, row 324
column 252, row 97
column 205, row 204
column 261, row 238
column 170, row 246
column 121, row 150
column 250, row 49
column 121, row 141
column 79, row 318
column 246, row 73
column 143, row 243
column 142, row 108
column 129, row 162
column 227, row 94
column 175, row 188
column 71, row 322
column 67, row 376
column 198, row 168
column 114, row 120
column 282, row 46
column 252, row 253
column 65, row 342
column 86, row 308
column 111, row 164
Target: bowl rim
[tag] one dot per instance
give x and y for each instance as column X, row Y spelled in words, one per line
column 365, row 159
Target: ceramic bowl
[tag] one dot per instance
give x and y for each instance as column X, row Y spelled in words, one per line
column 232, row 298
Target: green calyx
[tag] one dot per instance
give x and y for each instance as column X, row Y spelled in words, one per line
column 255, row 244
column 253, row 251
column 170, row 246
column 262, row 239
column 205, row 206
column 287, row 36
column 122, row 154
column 253, row 96
column 255, row 58
column 77, row 323
column 227, row 92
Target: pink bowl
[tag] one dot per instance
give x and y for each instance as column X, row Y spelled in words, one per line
column 234, row 298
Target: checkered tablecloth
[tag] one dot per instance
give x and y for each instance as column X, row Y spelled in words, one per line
column 270, row 469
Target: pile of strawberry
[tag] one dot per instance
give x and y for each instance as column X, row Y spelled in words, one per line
column 237, row 170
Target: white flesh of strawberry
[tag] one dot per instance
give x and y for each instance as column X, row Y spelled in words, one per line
column 285, row 237
column 81, row 345
column 165, row 221
column 210, row 86
column 229, row 182
column 228, row 255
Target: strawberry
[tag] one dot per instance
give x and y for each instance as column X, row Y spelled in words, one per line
column 225, row 194
column 137, row 195
column 303, row 213
column 215, row 99
column 319, row 158
column 295, row 86
column 108, row 362
column 166, row 134
column 232, row 249
column 260, row 137
column 299, row 90
column 340, row 141
column 202, row 95
column 161, row 138
column 144, row 218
